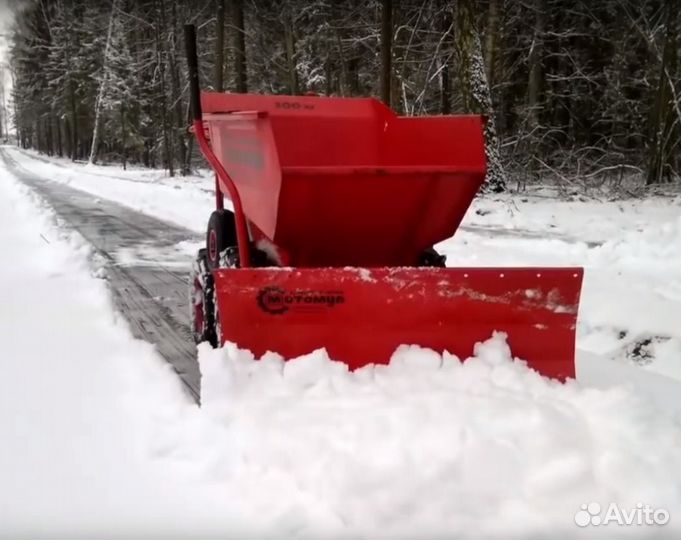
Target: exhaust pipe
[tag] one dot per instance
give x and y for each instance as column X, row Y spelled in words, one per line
column 193, row 67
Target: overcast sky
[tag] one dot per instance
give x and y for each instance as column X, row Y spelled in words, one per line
column 6, row 15
column 6, row 18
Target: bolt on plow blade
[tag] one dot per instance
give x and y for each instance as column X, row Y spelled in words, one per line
column 362, row 315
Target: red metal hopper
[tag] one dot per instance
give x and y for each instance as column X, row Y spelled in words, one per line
column 337, row 204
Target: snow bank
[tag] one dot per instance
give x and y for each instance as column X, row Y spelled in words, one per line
column 98, row 438
column 430, row 447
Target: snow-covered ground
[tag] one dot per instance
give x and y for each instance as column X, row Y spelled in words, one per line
column 99, row 440
column 91, row 419
column 182, row 200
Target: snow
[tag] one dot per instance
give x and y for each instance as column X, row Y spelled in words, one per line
column 100, row 440
column 428, row 447
column 181, row 199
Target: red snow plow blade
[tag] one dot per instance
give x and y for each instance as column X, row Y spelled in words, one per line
column 338, row 203
column 361, row 316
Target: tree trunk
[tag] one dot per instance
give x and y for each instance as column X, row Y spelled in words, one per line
column 535, row 85
column 328, row 76
column 475, row 92
column 535, row 81
column 491, row 40
column 218, row 81
column 103, row 84
column 353, row 76
column 74, row 120
column 36, row 139
column 176, row 93
column 167, row 154
column 445, row 72
column 190, row 143
column 60, row 147
column 289, row 37
column 3, row 106
column 239, row 46
column 124, row 151
column 386, row 49
column 336, row 13
column 49, row 146
column 68, row 140
column 665, row 117
column 343, row 77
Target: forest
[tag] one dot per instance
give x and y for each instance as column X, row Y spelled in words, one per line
column 576, row 93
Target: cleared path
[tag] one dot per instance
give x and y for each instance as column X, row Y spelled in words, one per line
column 146, row 271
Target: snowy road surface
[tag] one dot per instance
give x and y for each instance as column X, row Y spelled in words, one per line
column 147, row 271
column 100, row 440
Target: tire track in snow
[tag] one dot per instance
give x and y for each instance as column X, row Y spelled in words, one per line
column 524, row 234
column 150, row 292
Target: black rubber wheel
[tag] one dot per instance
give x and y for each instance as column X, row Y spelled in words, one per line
column 210, row 335
column 432, row 258
column 202, row 302
column 221, row 234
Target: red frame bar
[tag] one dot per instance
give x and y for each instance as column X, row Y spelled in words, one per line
column 225, row 183
column 219, row 196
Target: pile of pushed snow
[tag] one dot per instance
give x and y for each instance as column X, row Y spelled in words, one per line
column 429, row 446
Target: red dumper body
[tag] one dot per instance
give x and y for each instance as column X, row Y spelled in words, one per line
column 345, row 182
column 337, row 204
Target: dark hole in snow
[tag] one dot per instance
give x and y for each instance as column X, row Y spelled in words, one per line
column 642, row 351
